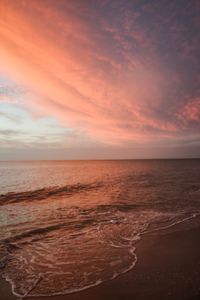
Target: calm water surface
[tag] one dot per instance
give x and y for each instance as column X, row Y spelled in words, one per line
column 69, row 225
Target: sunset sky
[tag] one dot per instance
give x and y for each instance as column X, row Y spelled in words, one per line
column 84, row 79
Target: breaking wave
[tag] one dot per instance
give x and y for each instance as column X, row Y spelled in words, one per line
column 45, row 193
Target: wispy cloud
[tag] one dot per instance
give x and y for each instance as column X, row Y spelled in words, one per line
column 121, row 71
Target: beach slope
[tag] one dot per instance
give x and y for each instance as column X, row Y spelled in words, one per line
column 168, row 268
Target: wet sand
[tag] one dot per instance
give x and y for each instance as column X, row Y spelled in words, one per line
column 168, row 268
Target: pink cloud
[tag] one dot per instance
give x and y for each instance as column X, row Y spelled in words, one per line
column 191, row 111
column 86, row 75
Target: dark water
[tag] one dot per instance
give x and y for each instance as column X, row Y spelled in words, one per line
column 66, row 226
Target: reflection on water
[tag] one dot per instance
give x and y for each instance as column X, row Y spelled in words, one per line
column 66, row 226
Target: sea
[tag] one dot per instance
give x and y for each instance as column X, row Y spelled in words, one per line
column 66, row 226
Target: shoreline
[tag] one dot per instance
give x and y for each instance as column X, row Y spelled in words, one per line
column 168, row 267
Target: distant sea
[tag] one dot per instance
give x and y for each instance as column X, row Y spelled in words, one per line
column 68, row 225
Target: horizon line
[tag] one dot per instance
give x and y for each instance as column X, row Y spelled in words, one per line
column 99, row 159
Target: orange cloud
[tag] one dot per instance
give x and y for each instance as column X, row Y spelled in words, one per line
column 83, row 72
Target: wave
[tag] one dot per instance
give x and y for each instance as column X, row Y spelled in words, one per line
column 101, row 214
column 33, row 289
column 71, row 248
column 44, row 193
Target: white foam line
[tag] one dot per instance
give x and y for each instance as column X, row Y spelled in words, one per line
column 12, row 287
column 31, row 288
column 132, row 251
column 66, row 292
column 20, row 296
column 98, row 282
column 172, row 224
column 27, row 294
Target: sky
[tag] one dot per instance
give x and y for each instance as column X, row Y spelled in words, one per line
column 99, row 79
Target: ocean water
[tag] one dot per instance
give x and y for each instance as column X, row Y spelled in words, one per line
column 68, row 225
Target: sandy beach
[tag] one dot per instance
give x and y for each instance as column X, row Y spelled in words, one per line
column 168, row 268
